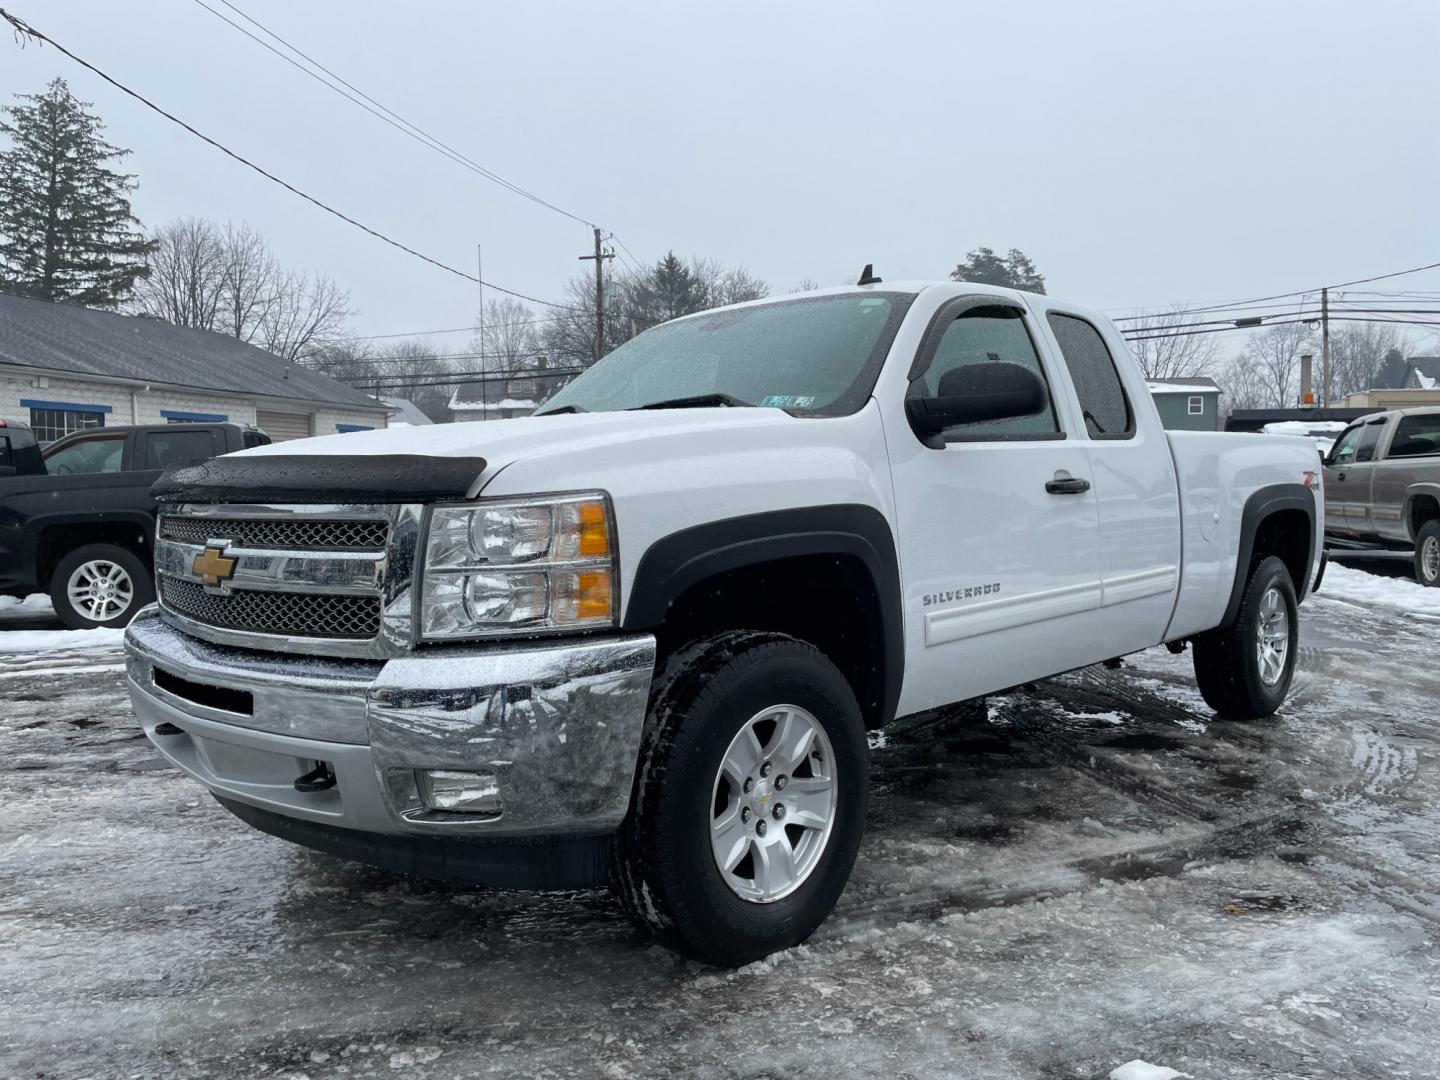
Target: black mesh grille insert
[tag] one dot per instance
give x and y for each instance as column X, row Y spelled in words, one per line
column 297, row 614
column 306, row 534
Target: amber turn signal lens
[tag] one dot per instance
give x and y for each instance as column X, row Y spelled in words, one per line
column 594, row 531
column 593, row 599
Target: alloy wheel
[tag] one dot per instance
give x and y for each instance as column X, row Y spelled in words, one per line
column 100, row 590
column 773, row 804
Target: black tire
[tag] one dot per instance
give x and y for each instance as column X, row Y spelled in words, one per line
column 1227, row 665
column 664, row 871
column 142, row 585
column 1427, row 554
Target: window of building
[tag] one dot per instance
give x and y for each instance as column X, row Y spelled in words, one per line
column 94, row 454
column 1417, row 435
column 353, row 427
column 51, row 422
column 175, row 416
column 1097, row 382
column 986, row 335
column 1197, row 406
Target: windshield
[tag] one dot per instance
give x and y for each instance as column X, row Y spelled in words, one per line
column 816, row 355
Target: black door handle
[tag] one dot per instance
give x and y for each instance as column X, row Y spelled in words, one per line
column 1067, row 486
column 1340, row 476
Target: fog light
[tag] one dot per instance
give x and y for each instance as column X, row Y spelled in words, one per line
column 460, row 792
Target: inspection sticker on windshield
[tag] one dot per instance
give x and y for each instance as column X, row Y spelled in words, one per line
column 787, row 401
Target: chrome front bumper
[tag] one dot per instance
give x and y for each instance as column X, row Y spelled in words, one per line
column 558, row 723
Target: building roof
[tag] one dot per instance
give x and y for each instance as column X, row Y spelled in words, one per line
column 83, row 341
column 1425, row 369
column 1192, row 384
column 497, row 392
column 405, row 411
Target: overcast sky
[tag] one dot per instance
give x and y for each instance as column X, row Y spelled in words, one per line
column 1140, row 153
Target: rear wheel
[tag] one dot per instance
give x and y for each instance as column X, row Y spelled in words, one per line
column 100, row 585
column 749, row 799
column 1427, row 554
column 1244, row 670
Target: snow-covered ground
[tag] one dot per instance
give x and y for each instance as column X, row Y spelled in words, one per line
column 1361, row 587
column 1098, row 879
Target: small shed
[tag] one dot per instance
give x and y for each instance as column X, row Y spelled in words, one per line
column 1187, row 404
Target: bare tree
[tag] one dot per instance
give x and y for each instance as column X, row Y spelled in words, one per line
column 251, row 281
column 512, row 337
column 568, row 336
column 1172, row 345
column 1356, row 352
column 1275, row 354
column 1243, row 384
column 306, row 314
column 414, row 369
column 186, row 281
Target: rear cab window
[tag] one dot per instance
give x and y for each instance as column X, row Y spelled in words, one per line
column 1103, row 401
column 1417, row 435
column 181, row 446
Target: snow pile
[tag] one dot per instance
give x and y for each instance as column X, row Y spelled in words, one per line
column 1143, row 1070
column 1181, row 388
column 35, row 604
column 1345, row 583
column 1305, row 427
column 1322, row 433
column 35, row 641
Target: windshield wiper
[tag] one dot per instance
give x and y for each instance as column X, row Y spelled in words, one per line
column 562, row 409
column 697, row 401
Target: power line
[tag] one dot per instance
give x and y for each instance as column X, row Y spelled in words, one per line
column 1309, row 319
column 457, row 329
column 1282, row 296
column 24, row 28
column 405, row 126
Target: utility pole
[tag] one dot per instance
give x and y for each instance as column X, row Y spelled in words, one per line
column 600, row 256
column 1324, row 347
column 480, row 284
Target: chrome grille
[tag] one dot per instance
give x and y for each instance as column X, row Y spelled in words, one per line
column 318, row 615
column 289, row 534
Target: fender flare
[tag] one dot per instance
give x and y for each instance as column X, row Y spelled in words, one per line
column 1260, row 505
column 1423, row 490
column 683, row 559
column 34, row 526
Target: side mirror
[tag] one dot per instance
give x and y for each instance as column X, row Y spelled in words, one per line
column 974, row 393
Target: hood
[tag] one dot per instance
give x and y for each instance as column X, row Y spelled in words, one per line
column 501, row 442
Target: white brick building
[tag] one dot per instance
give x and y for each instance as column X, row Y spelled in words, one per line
column 63, row 368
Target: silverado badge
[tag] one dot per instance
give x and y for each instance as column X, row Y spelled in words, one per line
column 213, row 566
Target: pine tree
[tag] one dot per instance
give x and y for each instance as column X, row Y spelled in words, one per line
column 66, row 230
column 1014, row 270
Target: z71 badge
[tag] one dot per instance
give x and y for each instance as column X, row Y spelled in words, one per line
column 967, row 593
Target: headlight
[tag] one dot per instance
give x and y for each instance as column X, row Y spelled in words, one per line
column 514, row 565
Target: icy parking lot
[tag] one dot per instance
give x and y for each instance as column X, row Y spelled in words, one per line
column 1097, row 873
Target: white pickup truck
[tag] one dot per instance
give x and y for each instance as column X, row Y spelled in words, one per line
column 641, row 636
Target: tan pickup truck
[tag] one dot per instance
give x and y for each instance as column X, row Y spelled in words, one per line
column 1382, row 487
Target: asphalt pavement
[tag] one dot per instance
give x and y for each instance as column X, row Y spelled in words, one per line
column 1092, row 872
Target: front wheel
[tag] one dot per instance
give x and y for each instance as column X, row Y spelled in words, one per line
column 1427, row 554
column 100, row 585
column 749, row 799
column 1244, row 670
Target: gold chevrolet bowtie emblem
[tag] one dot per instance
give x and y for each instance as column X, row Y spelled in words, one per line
column 212, row 566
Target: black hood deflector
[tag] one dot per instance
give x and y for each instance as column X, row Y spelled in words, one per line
column 323, row 478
